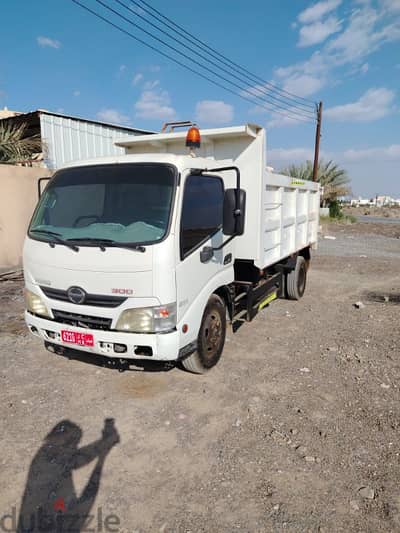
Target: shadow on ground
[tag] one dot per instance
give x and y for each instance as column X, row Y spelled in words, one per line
column 50, row 501
column 112, row 363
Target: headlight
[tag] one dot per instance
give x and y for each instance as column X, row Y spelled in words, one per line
column 35, row 304
column 148, row 319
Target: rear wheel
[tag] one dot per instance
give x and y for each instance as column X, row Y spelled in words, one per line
column 211, row 338
column 296, row 280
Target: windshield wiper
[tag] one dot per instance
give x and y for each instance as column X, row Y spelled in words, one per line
column 56, row 239
column 102, row 243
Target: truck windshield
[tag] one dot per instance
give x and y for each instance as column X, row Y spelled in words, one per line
column 122, row 203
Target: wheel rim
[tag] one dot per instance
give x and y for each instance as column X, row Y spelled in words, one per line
column 212, row 335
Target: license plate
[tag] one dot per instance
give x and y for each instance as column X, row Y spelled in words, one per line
column 74, row 337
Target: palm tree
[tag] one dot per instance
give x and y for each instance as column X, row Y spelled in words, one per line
column 332, row 178
column 15, row 146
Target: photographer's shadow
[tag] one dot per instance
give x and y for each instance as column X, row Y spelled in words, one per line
column 50, row 501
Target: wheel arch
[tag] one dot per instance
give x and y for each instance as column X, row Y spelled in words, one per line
column 226, row 296
column 306, row 253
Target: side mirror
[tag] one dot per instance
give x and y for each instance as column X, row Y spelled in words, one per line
column 206, row 254
column 233, row 221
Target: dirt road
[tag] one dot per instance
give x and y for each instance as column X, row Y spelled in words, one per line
column 296, row 429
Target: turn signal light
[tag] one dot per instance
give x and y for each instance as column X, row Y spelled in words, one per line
column 193, row 138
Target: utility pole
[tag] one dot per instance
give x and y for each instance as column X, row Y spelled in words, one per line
column 317, row 140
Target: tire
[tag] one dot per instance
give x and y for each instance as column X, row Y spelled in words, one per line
column 296, row 280
column 211, row 338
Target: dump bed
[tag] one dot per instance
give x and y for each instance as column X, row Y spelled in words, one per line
column 282, row 213
column 290, row 216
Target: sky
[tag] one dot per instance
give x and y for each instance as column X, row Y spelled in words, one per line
column 345, row 53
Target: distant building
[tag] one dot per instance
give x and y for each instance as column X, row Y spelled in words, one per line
column 378, row 201
column 66, row 138
column 361, row 201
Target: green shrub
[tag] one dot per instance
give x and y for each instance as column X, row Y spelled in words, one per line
column 335, row 209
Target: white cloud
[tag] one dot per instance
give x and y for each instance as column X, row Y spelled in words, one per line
column 386, row 153
column 299, row 84
column 137, row 78
column 214, row 112
column 365, row 33
column 279, row 121
column 122, row 68
column 76, row 93
column 372, row 105
column 278, row 118
column 155, row 105
column 366, row 30
column 318, row 10
column 306, row 77
column 150, row 85
column 391, row 5
column 359, row 70
column 47, row 42
column 303, row 84
column 112, row 116
column 318, row 31
column 154, row 68
column 281, row 157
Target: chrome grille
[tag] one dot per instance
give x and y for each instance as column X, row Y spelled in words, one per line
column 97, row 300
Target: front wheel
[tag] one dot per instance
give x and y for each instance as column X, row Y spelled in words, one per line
column 211, row 338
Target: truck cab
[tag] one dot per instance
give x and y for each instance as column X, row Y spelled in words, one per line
column 141, row 255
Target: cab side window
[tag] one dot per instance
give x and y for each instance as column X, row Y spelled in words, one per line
column 201, row 211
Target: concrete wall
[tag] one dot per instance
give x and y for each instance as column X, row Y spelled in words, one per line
column 18, row 198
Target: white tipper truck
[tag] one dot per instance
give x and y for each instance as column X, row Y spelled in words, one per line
column 149, row 255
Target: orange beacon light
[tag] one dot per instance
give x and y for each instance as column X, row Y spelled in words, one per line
column 193, row 137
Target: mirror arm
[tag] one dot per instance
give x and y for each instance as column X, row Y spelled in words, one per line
column 222, row 169
column 199, row 171
column 39, row 185
column 235, row 169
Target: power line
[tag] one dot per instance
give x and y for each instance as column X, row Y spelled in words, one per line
column 282, row 101
column 292, row 107
column 228, row 62
column 268, row 105
column 178, row 62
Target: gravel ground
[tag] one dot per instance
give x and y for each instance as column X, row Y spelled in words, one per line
column 296, row 429
column 387, row 212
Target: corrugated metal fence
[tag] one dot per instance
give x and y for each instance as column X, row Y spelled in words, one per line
column 69, row 139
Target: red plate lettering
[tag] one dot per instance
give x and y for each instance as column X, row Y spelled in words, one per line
column 75, row 337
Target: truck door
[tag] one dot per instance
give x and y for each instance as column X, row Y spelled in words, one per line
column 200, row 226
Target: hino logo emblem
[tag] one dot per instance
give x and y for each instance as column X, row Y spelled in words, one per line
column 76, row 295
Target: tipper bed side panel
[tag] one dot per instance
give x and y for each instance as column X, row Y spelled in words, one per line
column 290, row 220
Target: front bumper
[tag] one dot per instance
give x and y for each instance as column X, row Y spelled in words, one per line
column 163, row 347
